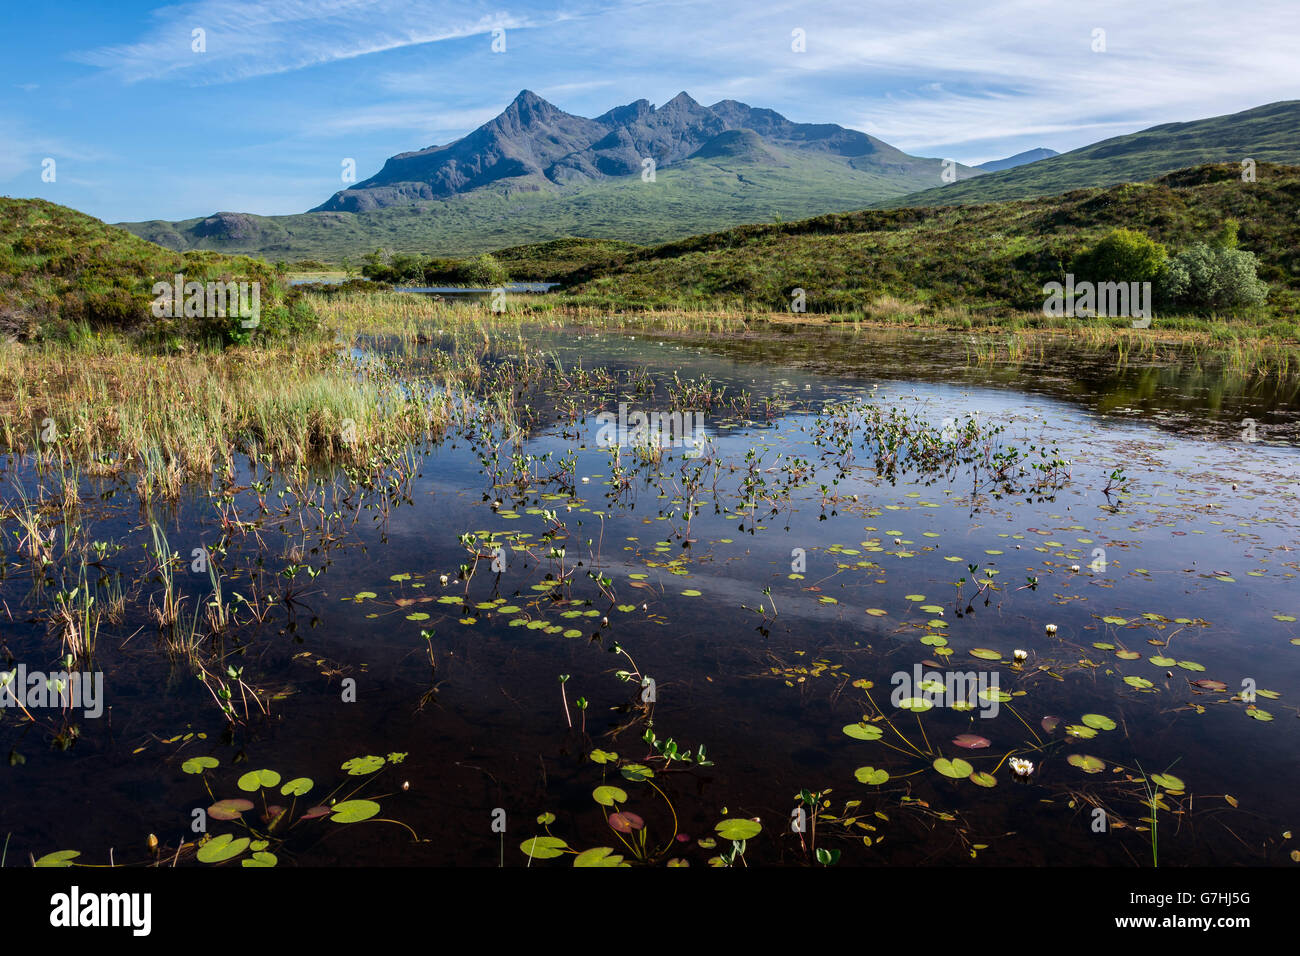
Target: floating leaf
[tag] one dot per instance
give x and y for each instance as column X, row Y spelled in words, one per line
column 353, row 811
column 983, row 779
column 297, row 787
column 636, row 772
column 222, row 848
column 543, row 847
column 955, row 768
column 1210, row 684
column 1049, row 724
column 199, row 764
column 229, row 809
column 1168, row 781
column 360, row 766
column 970, row 741
column 608, row 796
column 59, row 858
column 871, row 775
column 1258, row 714
column 983, row 653
column 625, row 821
column 1139, row 682
column 260, row 859
column 737, row 829
column 1098, row 722
column 918, row 704
column 599, row 856
column 1087, row 764
column 255, row 779
column 863, row 731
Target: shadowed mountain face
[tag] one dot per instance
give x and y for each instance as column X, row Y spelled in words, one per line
column 533, row 145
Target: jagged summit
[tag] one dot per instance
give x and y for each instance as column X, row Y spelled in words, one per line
column 534, row 145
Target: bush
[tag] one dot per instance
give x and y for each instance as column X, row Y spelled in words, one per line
column 1122, row 256
column 1208, row 278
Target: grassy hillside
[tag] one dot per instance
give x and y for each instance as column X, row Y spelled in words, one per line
column 992, row 256
column 1266, row 134
column 699, row 195
column 60, row 268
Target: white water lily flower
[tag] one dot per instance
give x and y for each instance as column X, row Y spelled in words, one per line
column 1051, row 629
column 1020, row 655
column 1021, row 767
column 1074, row 568
column 443, row 580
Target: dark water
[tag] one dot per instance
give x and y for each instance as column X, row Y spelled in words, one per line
column 1189, row 561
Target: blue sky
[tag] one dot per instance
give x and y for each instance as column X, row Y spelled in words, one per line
column 141, row 126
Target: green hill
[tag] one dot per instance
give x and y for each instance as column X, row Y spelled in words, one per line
column 742, row 182
column 991, row 256
column 1265, row 134
column 60, row 267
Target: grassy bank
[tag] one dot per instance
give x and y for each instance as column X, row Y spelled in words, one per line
column 990, row 258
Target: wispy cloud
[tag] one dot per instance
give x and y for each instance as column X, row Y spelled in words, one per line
column 247, row 39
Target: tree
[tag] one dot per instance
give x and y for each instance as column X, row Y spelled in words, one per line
column 1213, row 278
column 1122, row 256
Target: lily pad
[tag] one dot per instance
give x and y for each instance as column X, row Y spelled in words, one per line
column 608, row 796
column 983, row 653
column 1099, row 722
column 871, row 775
column 256, row 779
column 863, row 731
column 59, row 858
column 229, row 809
column 360, row 766
column 599, row 856
column 970, row 741
column 1086, row 763
column 738, row 828
column 297, row 787
column 983, row 779
column 543, row 847
column 222, row 848
column 955, row 768
column 1168, row 781
column 625, row 821
column 353, row 811
column 199, row 764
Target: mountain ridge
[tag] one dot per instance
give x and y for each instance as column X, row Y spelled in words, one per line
column 533, row 144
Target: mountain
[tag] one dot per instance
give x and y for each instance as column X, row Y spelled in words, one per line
column 1268, row 133
column 1020, row 159
column 536, row 173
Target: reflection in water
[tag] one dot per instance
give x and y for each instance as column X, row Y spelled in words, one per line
column 771, row 589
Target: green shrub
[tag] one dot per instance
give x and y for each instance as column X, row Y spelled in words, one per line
column 1122, row 256
column 1208, row 278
